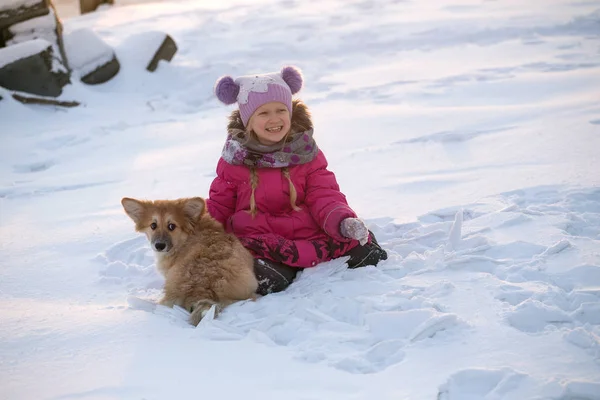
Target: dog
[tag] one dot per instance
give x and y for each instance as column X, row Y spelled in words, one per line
column 202, row 264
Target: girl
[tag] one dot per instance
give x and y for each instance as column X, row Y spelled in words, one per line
column 273, row 189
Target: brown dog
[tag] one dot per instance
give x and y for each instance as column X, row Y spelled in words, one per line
column 202, row 264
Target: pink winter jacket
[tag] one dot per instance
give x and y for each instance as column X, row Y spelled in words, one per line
column 277, row 232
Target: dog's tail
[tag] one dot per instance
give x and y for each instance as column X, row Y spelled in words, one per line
column 200, row 308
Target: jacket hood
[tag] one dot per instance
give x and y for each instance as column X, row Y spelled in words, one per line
column 301, row 120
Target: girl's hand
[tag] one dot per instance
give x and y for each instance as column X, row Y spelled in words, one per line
column 354, row 228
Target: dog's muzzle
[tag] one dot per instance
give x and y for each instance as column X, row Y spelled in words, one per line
column 161, row 245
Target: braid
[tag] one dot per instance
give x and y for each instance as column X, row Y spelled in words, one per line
column 253, row 184
column 293, row 193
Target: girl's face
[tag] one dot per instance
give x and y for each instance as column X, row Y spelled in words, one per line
column 271, row 122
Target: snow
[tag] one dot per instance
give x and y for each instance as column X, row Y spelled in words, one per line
column 464, row 133
column 16, row 52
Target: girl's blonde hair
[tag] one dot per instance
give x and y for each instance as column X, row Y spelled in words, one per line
column 254, row 176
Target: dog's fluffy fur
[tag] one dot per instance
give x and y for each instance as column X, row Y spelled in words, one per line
column 202, row 264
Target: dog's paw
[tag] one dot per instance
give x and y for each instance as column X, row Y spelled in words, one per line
column 167, row 302
column 203, row 309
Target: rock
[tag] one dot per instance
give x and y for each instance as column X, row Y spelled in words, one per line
column 86, row 6
column 4, row 36
column 15, row 11
column 103, row 73
column 166, row 51
column 32, row 68
column 90, row 57
column 144, row 50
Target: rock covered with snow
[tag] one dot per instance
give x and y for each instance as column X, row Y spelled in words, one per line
column 32, row 57
column 39, row 23
column 30, row 67
column 93, row 59
column 12, row 4
column 47, row 27
column 10, row 54
column 14, row 11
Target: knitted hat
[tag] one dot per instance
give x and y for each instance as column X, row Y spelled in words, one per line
column 252, row 91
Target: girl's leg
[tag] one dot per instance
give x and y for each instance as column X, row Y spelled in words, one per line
column 273, row 277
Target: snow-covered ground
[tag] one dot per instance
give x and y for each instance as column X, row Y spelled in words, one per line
column 466, row 133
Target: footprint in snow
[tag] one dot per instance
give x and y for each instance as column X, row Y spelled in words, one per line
column 375, row 359
column 580, row 390
column 585, row 339
column 477, row 384
column 130, row 262
column 534, row 316
column 33, row 167
column 506, row 384
column 411, row 325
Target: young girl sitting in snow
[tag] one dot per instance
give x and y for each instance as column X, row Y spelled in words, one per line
column 273, row 189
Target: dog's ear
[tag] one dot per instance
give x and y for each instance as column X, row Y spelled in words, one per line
column 194, row 208
column 134, row 208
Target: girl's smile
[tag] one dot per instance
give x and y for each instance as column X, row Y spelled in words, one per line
column 270, row 122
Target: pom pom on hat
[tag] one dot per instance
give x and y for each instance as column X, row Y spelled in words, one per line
column 293, row 77
column 227, row 90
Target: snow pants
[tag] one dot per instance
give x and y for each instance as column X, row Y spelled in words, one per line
column 274, row 277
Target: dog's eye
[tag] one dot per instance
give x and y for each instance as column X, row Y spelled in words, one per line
column 153, row 226
column 171, row 227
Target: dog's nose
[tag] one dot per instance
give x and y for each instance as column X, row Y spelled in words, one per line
column 159, row 246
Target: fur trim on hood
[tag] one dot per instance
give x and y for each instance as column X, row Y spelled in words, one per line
column 301, row 120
